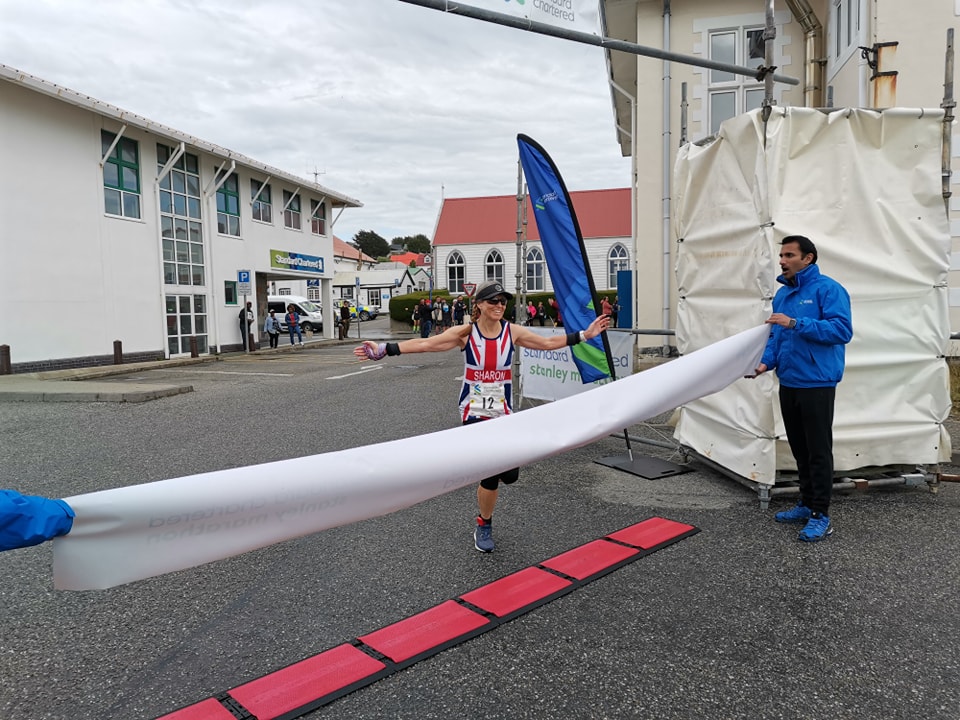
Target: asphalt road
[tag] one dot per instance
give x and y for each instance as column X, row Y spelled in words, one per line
column 739, row 621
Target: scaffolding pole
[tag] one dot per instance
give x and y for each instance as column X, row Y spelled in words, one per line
column 475, row 13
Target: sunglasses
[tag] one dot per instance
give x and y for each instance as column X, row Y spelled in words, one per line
column 497, row 301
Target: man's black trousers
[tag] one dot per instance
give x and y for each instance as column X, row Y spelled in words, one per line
column 808, row 419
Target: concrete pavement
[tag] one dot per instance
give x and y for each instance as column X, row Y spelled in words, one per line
column 80, row 384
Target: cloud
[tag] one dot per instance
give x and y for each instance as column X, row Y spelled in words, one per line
column 389, row 103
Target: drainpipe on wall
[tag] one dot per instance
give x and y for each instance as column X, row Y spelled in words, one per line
column 815, row 65
column 864, row 67
column 665, row 184
column 634, row 262
column 948, row 105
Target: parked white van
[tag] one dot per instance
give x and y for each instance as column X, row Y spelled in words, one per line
column 310, row 311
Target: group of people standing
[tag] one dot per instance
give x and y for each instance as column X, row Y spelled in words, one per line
column 441, row 315
column 272, row 326
column 537, row 314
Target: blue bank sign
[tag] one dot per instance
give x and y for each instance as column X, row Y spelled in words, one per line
column 283, row 260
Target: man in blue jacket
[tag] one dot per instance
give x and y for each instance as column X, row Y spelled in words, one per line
column 811, row 324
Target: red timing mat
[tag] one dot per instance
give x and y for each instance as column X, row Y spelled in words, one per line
column 306, row 685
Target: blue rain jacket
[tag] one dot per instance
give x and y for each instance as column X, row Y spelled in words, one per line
column 811, row 354
column 30, row 519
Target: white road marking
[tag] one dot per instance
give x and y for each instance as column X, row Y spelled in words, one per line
column 358, row 372
column 236, row 372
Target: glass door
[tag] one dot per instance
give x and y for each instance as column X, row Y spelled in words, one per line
column 186, row 318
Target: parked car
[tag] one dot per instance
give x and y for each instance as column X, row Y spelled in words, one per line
column 365, row 312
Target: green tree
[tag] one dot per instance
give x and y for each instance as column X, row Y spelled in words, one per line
column 371, row 243
column 414, row 243
column 418, row 244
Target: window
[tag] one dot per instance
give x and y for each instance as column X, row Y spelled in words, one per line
column 284, row 291
column 186, row 318
column 456, row 272
column 731, row 94
column 617, row 259
column 228, row 207
column 313, row 294
column 535, row 270
column 262, row 206
column 121, row 176
column 318, row 217
column 291, row 210
column 846, row 27
column 230, row 292
column 181, row 230
column 493, row 266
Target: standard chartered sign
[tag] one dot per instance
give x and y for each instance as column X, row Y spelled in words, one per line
column 295, row 261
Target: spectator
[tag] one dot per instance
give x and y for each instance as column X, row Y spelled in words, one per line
column 292, row 318
column 541, row 313
column 246, row 326
column 344, row 319
column 558, row 319
column 272, row 328
column 447, row 315
column 425, row 318
column 605, row 307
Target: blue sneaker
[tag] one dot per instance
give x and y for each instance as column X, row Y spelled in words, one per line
column 818, row 527
column 799, row 513
column 483, row 535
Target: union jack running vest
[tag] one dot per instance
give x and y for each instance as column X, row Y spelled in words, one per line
column 487, row 375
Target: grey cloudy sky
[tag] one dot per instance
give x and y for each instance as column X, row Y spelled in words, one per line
column 393, row 104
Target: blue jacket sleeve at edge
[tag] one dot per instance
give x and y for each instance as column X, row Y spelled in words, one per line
column 30, row 519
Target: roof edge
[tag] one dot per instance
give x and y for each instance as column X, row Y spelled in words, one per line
column 59, row 92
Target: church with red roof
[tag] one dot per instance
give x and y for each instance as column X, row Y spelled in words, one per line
column 476, row 240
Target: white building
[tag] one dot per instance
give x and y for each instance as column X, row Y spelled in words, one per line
column 145, row 241
column 817, row 41
column 374, row 286
column 345, row 258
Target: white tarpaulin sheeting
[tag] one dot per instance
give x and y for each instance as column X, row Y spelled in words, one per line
column 135, row 532
column 865, row 187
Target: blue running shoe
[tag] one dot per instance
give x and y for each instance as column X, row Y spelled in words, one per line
column 818, row 527
column 799, row 513
column 483, row 535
